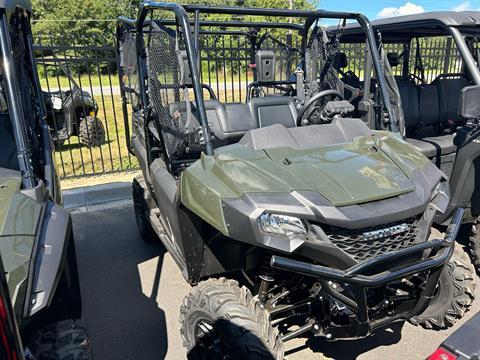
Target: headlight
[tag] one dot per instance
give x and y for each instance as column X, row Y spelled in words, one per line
column 281, row 224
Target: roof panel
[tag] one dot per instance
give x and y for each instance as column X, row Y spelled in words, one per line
column 409, row 26
column 10, row 5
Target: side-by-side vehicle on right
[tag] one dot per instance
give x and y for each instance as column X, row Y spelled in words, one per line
column 283, row 209
column 434, row 59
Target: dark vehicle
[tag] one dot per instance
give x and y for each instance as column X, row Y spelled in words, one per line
column 286, row 212
column 71, row 112
column 36, row 241
column 65, row 340
column 439, row 89
column 462, row 344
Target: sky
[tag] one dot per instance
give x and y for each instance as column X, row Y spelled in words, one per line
column 375, row 9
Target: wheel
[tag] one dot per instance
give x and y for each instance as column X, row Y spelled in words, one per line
column 62, row 340
column 141, row 210
column 221, row 320
column 91, row 132
column 474, row 244
column 453, row 296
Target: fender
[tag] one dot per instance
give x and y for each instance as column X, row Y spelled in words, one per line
column 466, row 172
column 51, row 258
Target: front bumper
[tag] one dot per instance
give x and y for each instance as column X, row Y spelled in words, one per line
column 434, row 254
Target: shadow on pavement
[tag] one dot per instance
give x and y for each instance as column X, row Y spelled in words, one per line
column 124, row 319
column 351, row 349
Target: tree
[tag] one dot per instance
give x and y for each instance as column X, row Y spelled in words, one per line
column 77, row 21
column 96, row 18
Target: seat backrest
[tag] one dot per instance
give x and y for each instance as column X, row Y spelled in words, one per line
column 429, row 105
column 409, row 95
column 449, row 92
column 272, row 110
column 229, row 122
column 239, row 118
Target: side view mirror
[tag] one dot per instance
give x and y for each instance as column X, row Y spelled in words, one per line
column 469, row 103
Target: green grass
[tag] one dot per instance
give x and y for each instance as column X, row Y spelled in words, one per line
column 85, row 81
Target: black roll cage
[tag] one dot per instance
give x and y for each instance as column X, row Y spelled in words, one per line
column 16, row 110
column 185, row 23
column 404, row 32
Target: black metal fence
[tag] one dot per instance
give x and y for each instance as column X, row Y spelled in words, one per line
column 437, row 55
column 84, row 109
column 227, row 62
column 84, row 105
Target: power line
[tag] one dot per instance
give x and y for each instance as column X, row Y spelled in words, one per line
column 76, row 20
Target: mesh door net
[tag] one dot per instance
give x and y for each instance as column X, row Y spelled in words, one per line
column 169, row 98
column 317, row 60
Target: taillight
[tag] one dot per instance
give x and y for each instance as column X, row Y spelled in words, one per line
column 442, row 354
column 8, row 352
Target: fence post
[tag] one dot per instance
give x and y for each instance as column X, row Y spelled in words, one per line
column 448, row 53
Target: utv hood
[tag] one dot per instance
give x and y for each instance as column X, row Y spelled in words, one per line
column 342, row 175
column 370, row 168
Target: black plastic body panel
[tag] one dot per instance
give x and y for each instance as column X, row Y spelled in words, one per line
column 465, row 176
column 167, row 200
column 52, row 259
column 465, row 341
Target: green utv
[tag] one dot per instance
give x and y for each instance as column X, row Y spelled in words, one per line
column 434, row 61
column 284, row 210
column 36, row 242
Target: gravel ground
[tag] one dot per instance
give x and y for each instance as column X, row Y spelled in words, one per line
column 132, row 292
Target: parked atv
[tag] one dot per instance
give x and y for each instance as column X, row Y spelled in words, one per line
column 287, row 214
column 436, row 92
column 70, row 112
column 36, row 244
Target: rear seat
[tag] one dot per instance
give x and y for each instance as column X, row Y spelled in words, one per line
column 427, row 118
column 410, row 100
column 448, row 91
column 429, row 108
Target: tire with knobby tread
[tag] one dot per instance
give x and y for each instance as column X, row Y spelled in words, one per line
column 456, row 292
column 474, row 244
column 141, row 210
column 238, row 318
column 64, row 340
column 91, row 132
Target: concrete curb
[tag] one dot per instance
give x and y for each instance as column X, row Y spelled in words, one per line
column 90, row 196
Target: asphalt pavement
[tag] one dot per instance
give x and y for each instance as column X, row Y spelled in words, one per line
column 132, row 291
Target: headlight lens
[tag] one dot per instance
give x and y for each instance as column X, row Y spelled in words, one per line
column 281, row 224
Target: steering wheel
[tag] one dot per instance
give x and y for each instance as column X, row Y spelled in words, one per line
column 315, row 99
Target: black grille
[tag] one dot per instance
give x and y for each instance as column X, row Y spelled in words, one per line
column 354, row 243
